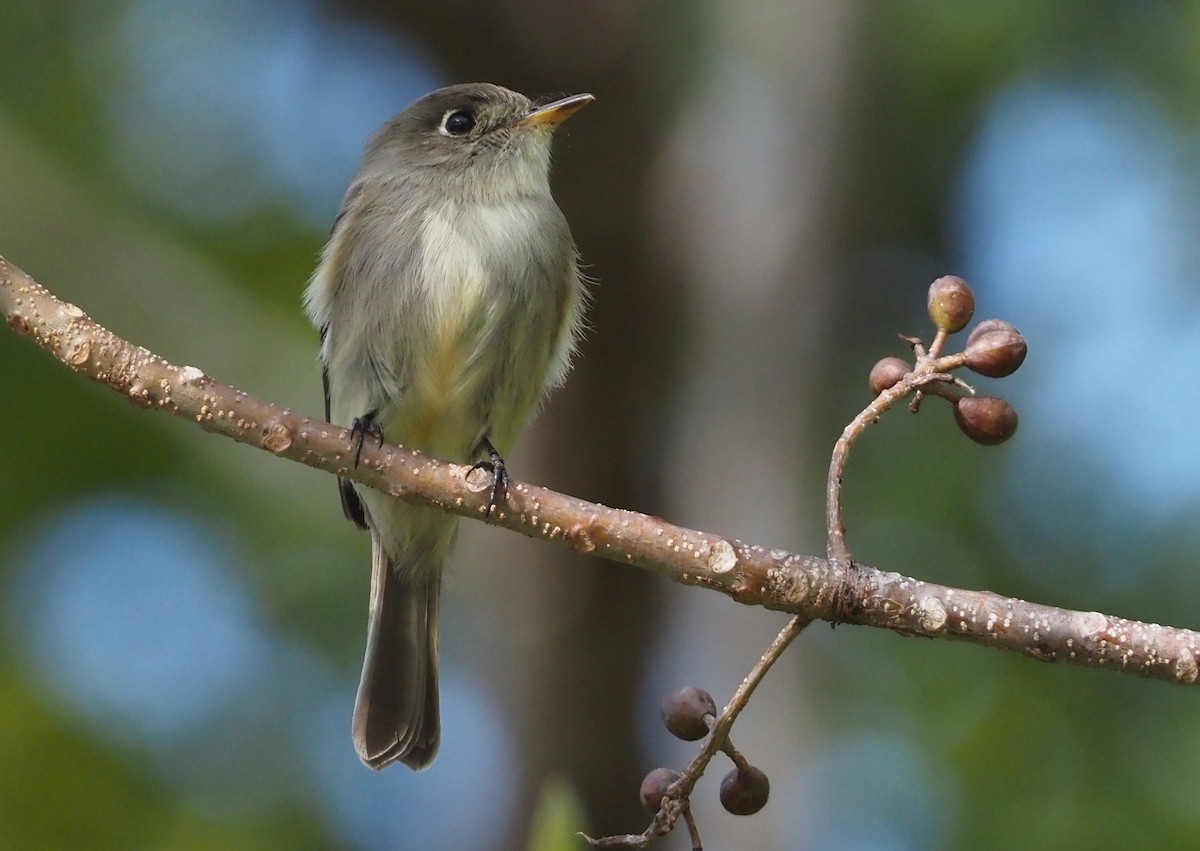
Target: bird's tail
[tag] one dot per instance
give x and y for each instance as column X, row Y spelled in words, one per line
column 396, row 712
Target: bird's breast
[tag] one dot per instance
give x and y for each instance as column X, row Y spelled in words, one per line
column 479, row 282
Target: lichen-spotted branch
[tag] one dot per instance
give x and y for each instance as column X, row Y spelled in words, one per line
column 775, row 579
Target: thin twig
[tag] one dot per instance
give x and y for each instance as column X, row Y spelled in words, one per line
column 930, row 374
column 680, row 791
column 720, row 731
column 693, row 829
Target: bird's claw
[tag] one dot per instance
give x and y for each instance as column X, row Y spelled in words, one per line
column 363, row 426
column 494, row 464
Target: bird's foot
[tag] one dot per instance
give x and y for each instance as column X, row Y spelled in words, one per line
column 494, row 464
column 363, row 426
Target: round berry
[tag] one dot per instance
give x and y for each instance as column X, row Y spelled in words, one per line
column 997, row 351
column 887, row 373
column 683, row 712
column 951, row 303
column 985, row 419
column 654, row 787
column 744, row 794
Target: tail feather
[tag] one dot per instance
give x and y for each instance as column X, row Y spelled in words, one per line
column 396, row 714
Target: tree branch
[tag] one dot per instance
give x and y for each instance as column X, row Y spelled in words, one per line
column 807, row 586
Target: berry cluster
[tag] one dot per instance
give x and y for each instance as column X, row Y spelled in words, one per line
column 690, row 714
column 994, row 349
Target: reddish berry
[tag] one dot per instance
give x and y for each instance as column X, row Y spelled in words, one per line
column 887, row 373
column 985, row 419
column 996, row 352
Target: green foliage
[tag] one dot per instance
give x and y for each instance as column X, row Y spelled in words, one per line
column 557, row 819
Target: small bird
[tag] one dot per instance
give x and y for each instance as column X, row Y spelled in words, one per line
column 449, row 301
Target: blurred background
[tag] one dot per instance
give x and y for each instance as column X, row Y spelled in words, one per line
column 763, row 191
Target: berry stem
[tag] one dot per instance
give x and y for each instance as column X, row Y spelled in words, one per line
column 718, row 739
column 693, row 830
column 742, row 764
column 678, row 793
column 939, row 342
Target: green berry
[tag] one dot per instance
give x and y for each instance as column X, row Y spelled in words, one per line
column 951, row 303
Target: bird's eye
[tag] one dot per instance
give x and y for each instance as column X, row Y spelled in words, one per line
column 458, row 123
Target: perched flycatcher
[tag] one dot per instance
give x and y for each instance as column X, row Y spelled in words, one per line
column 448, row 301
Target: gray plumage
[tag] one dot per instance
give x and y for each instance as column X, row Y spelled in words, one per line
column 448, row 301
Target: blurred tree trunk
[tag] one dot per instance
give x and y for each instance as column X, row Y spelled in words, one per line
column 745, row 190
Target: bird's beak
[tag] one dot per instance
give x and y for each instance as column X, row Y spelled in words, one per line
column 553, row 114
